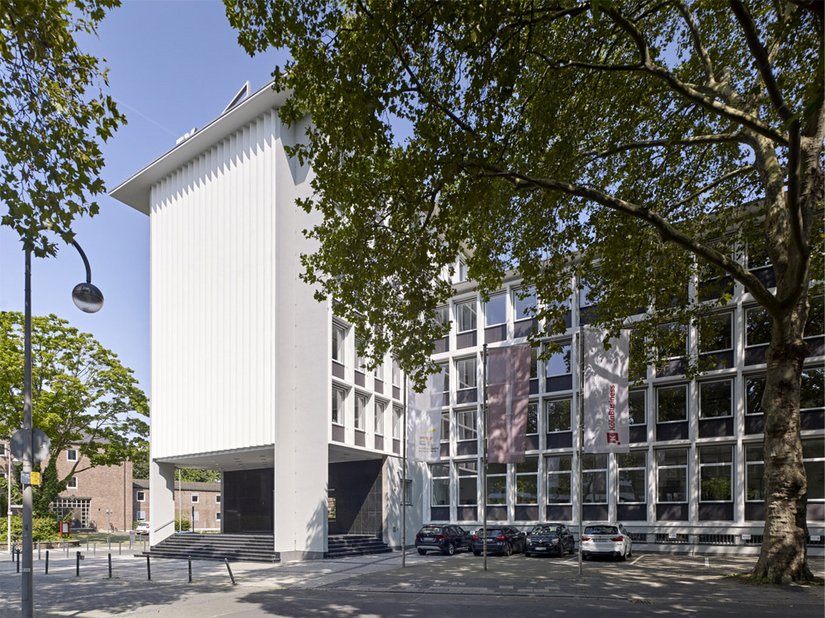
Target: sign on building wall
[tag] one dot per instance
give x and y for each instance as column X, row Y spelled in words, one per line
column 424, row 421
column 605, row 398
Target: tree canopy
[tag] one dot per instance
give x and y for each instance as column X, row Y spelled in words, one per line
column 53, row 115
column 644, row 147
column 82, row 397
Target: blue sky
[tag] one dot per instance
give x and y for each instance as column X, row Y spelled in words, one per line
column 173, row 65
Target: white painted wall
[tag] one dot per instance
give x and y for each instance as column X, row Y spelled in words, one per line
column 213, row 273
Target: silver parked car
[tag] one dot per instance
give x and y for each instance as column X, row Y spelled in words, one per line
column 606, row 539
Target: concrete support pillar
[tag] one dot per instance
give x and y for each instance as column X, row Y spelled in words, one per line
column 161, row 501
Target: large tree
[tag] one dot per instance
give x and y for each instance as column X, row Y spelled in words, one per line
column 644, row 146
column 83, row 398
column 53, row 115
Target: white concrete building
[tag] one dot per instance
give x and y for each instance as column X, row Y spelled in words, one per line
column 244, row 376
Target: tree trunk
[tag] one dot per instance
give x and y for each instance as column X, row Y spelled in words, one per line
column 783, row 557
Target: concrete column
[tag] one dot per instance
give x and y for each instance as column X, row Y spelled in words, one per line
column 161, row 501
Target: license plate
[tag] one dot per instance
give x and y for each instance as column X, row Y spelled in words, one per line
column 540, row 548
column 426, row 538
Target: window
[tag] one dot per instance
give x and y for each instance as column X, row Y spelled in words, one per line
column 444, row 384
column 72, row 483
column 466, row 425
column 195, row 498
column 445, row 426
column 442, row 315
column 71, row 454
column 496, row 483
column 463, row 272
column 632, row 477
column 397, row 415
column 813, row 456
column 524, row 302
column 671, row 403
column 2, row 449
column 532, row 418
column 74, row 507
column 141, row 515
column 754, row 388
column 218, row 499
column 559, row 474
column 467, row 482
column 816, row 317
column 671, row 341
column 527, row 478
column 557, row 415
column 217, row 516
column 534, row 363
column 360, row 412
column 338, row 397
column 339, row 334
column 396, row 373
column 465, row 369
column 360, row 358
column 754, row 473
column 715, row 399
column 440, row 474
column 495, row 310
column 594, row 478
column 636, row 404
column 465, row 315
column 812, row 394
column 378, row 412
column 716, row 473
column 757, row 326
column 140, row 496
column 671, row 472
column 587, row 296
column 558, row 363
column 378, row 372
column 407, row 488
column 716, row 332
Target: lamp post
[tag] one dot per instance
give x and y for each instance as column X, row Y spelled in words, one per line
column 88, row 299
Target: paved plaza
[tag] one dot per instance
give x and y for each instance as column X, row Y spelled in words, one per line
column 648, row 584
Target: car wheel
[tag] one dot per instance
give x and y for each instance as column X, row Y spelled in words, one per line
column 476, row 553
column 572, row 549
column 624, row 555
column 421, row 552
column 450, row 549
column 508, row 550
column 527, row 554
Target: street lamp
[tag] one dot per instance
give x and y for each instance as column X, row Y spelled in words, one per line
column 89, row 299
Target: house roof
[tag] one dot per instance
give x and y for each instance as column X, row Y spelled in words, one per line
column 136, row 191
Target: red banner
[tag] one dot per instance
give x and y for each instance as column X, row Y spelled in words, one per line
column 508, row 392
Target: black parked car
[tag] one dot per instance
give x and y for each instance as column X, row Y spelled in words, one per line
column 500, row 540
column 440, row 537
column 547, row 539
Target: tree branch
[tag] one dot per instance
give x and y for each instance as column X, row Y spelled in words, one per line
column 689, row 91
column 667, row 232
column 717, row 182
column 697, row 41
column 760, row 56
column 654, row 143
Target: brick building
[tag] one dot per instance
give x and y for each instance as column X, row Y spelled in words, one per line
column 194, row 501
column 97, row 498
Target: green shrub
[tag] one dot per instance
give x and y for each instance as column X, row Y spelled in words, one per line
column 43, row 529
column 182, row 524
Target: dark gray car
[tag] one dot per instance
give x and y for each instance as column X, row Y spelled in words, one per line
column 548, row 540
column 445, row 538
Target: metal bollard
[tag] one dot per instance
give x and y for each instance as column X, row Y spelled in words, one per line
column 87, row 544
column 232, row 577
column 110, row 566
column 38, row 550
column 189, row 558
column 47, row 562
column 77, row 565
column 94, row 548
column 120, row 548
column 13, row 549
column 148, row 569
column 18, row 560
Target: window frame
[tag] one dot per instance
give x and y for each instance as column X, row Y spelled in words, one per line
column 547, row 403
column 751, row 310
column 756, row 463
column 379, row 411
column 460, row 377
column 731, row 334
column 643, row 392
column 360, row 418
column 195, row 499
column 464, row 464
column 339, row 351
column 70, row 452
column 530, row 475
column 684, row 467
column 714, row 465
column 338, row 406
column 498, row 296
column 566, row 351
column 560, row 471
column 632, row 468
column 519, row 306
column 497, row 476
column 664, row 387
column 72, row 483
column 458, row 308
column 464, row 428
column 140, row 496
column 731, row 400
column 439, row 480
column 594, row 471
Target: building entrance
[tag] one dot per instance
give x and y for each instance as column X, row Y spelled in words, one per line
column 355, row 497
column 248, row 503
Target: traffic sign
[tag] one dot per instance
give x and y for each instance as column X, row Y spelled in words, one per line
column 40, row 445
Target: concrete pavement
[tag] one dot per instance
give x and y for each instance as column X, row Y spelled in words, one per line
column 431, row 585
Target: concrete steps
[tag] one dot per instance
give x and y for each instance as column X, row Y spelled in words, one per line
column 232, row 547
column 342, row 545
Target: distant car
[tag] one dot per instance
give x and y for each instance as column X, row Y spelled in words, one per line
column 606, row 539
column 142, row 528
column 445, row 538
column 548, row 539
column 500, row 540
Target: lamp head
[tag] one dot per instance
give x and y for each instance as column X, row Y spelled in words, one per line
column 87, row 297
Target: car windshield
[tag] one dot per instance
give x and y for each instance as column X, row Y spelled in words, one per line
column 603, row 529
column 494, row 531
column 544, row 530
column 431, row 530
